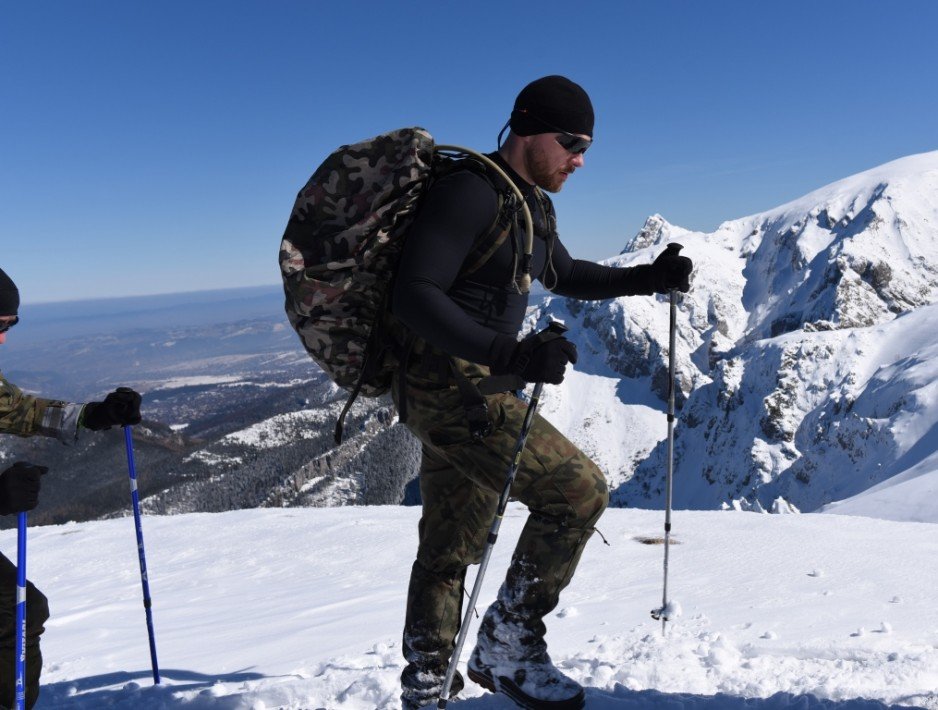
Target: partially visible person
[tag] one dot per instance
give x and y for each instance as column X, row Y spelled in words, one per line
column 25, row 415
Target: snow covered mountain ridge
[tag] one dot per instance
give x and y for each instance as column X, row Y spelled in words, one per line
column 806, row 361
column 806, row 370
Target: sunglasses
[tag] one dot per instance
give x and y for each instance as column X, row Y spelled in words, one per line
column 574, row 144
column 4, row 327
column 570, row 142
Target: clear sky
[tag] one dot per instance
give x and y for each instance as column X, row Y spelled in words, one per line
column 157, row 147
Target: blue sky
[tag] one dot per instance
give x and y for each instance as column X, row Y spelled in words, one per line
column 157, row 147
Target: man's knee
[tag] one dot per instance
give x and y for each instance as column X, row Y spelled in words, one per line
column 451, row 542
column 601, row 494
column 585, row 494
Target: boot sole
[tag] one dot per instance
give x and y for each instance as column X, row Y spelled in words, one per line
column 509, row 689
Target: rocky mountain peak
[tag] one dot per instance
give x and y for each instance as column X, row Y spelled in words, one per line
column 795, row 314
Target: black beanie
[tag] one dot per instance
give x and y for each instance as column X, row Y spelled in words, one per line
column 9, row 295
column 553, row 100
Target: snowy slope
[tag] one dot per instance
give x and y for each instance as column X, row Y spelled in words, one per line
column 302, row 608
column 909, row 495
column 805, row 355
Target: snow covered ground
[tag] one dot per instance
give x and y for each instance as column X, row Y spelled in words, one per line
column 302, row 608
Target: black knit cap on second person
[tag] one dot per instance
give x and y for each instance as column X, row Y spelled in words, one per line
column 9, row 295
column 551, row 103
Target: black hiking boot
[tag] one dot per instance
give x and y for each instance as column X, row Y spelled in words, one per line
column 511, row 659
column 422, row 687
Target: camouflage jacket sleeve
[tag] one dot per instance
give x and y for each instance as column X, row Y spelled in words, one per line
column 24, row 415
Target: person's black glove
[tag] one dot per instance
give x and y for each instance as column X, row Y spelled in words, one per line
column 19, row 487
column 671, row 270
column 541, row 357
column 121, row 407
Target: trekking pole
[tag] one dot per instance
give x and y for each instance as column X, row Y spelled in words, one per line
column 559, row 329
column 135, row 499
column 664, row 611
column 20, row 696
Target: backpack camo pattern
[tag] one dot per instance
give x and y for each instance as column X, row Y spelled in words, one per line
column 339, row 251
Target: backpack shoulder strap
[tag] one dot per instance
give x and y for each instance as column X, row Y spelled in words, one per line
column 491, row 239
column 511, row 208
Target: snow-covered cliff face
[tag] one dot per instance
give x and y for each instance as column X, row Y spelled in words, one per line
column 806, row 354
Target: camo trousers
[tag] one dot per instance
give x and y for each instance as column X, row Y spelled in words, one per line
column 37, row 612
column 461, row 480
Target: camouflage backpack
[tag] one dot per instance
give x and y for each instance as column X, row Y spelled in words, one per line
column 343, row 241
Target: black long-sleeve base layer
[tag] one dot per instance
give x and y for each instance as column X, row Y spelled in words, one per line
column 472, row 316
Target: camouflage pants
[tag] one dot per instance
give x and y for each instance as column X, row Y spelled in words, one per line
column 461, row 480
column 37, row 612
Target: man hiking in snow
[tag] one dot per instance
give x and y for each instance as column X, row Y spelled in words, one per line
column 466, row 327
column 25, row 415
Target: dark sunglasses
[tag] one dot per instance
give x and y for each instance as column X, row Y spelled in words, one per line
column 572, row 143
column 4, row 327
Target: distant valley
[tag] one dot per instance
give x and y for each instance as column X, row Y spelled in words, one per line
column 235, row 413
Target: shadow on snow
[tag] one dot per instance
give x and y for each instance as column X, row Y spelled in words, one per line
column 136, row 690
column 621, row 698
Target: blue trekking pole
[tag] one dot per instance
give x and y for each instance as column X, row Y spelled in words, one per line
column 20, row 703
column 135, row 498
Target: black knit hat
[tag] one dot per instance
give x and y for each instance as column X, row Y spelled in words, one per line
column 9, row 295
column 550, row 104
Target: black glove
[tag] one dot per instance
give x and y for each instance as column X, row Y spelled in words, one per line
column 121, row 407
column 19, row 487
column 671, row 270
column 541, row 357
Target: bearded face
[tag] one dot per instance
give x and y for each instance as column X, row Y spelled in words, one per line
column 548, row 163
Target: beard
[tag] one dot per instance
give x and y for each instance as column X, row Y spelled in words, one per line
column 543, row 171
